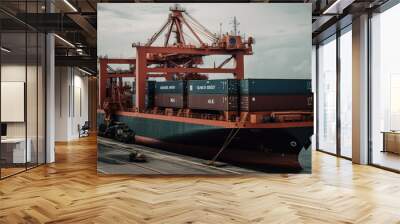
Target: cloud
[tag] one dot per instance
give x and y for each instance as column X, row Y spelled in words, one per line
column 282, row 32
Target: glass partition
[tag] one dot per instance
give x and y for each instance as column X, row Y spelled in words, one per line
column 22, row 91
column 15, row 150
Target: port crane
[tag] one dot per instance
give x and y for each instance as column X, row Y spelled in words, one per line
column 179, row 56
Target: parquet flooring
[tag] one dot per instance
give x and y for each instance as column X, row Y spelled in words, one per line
column 11, row 170
column 70, row 191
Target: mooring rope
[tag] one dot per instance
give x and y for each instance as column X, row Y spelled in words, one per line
column 225, row 145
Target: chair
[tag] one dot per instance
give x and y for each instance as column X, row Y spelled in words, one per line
column 84, row 130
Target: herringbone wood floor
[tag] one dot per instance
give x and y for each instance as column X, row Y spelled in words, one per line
column 70, row 191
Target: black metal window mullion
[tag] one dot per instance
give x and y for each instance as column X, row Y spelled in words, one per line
column 369, row 91
column 338, row 93
column 60, row 96
column 316, row 96
column 37, row 91
column 73, row 91
column 69, row 91
column 45, row 86
column 26, row 86
column 45, row 94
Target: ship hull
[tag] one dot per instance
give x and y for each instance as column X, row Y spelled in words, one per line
column 259, row 148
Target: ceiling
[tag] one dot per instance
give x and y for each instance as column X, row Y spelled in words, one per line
column 75, row 22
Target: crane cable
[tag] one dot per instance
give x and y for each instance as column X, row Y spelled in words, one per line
column 195, row 30
column 195, row 40
column 202, row 31
column 187, row 35
column 199, row 24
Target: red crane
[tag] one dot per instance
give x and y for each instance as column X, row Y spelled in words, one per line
column 179, row 58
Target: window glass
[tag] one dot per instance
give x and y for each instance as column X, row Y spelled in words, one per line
column 327, row 96
column 385, row 87
column 346, row 94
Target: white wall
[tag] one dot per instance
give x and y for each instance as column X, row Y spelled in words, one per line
column 80, row 112
column 14, row 72
column 33, row 126
column 61, row 103
column 71, row 102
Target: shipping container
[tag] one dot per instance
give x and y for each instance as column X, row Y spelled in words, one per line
column 276, row 102
column 218, row 95
column 218, row 102
column 171, row 94
column 170, row 100
column 217, row 86
column 178, row 87
column 275, row 86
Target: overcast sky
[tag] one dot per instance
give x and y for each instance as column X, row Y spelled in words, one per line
column 282, row 32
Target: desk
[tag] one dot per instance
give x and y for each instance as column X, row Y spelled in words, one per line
column 13, row 150
column 391, row 141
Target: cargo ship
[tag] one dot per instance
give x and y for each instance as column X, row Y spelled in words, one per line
column 271, row 139
column 263, row 123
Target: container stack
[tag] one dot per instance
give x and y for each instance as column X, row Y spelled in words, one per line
column 170, row 94
column 217, row 95
column 231, row 95
column 275, row 94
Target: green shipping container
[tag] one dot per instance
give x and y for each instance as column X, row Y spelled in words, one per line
column 275, row 86
column 217, row 86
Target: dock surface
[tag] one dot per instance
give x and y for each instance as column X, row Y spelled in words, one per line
column 113, row 158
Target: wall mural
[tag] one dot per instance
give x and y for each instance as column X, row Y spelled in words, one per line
column 193, row 89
